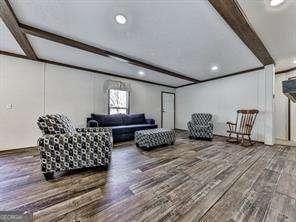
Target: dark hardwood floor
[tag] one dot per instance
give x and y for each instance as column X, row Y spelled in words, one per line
column 190, row 181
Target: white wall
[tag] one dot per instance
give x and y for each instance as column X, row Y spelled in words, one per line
column 35, row 88
column 222, row 98
column 21, row 84
column 281, row 109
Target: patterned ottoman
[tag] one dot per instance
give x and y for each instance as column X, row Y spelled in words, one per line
column 154, row 137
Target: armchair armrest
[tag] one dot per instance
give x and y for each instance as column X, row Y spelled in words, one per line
column 211, row 124
column 72, row 150
column 150, row 121
column 94, row 130
column 193, row 124
column 76, row 140
column 231, row 126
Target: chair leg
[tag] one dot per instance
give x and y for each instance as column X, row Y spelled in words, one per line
column 243, row 140
column 106, row 166
column 232, row 140
column 247, row 142
column 250, row 141
column 48, row 175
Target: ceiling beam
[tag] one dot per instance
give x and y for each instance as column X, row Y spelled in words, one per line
column 83, row 69
column 235, row 18
column 10, row 20
column 101, row 72
column 224, row 76
column 285, row 71
column 99, row 51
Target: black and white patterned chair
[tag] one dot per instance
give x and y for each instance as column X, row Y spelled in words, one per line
column 62, row 147
column 154, row 137
column 201, row 126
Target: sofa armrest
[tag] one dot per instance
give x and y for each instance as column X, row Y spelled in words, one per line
column 150, row 121
column 92, row 123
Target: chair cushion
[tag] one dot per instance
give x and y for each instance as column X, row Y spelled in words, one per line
column 133, row 119
column 131, row 128
column 108, row 120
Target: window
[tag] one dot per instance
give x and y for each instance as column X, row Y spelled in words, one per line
column 118, row 101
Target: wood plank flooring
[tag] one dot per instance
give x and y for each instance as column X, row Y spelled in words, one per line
column 189, row 181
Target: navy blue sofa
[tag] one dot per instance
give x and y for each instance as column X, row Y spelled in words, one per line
column 123, row 126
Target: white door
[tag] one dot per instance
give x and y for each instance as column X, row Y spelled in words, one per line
column 168, row 110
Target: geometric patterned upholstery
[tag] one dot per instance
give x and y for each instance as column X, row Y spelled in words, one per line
column 201, row 126
column 64, row 148
column 154, row 137
column 54, row 124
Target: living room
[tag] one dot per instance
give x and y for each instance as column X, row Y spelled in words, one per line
column 147, row 111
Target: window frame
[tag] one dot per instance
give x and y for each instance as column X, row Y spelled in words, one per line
column 128, row 101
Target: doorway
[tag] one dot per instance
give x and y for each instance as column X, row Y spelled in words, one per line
column 168, row 110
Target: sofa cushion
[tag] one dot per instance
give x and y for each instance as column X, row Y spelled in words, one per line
column 108, row 120
column 131, row 128
column 133, row 119
column 120, row 129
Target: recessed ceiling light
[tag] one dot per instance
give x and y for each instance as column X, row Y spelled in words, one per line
column 120, row 19
column 294, row 61
column 141, row 73
column 274, row 3
column 214, row 68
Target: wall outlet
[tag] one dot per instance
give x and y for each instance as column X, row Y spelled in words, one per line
column 9, row 106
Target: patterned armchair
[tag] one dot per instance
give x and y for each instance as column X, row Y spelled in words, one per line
column 201, row 126
column 62, row 147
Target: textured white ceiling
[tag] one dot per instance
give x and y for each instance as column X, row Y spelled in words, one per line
column 60, row 53
column 7, row 41
column 275, row 27
column 185, row 36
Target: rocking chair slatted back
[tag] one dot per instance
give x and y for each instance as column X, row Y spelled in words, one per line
column 243, row 126
column 247, row 119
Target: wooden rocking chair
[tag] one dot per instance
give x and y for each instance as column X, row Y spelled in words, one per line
column 245, row 120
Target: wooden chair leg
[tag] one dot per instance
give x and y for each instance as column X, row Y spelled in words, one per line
column 247, row 142
column 250, row 141
column 243, row 140
column 232, row 140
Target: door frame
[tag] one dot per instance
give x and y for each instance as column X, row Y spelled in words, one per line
column 161, row 104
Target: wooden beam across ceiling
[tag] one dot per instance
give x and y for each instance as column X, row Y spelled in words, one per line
column 83, row 69
column 224, row 76
column 235, row 18
column 285, row 71
column 99, row 51
column 10, row 20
